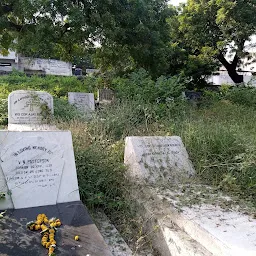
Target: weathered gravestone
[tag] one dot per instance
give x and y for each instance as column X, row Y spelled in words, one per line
column 38, row 175
column 157, row 159
column 105, row 95
column 37, row 168
column 28, row 110
column 82, row 101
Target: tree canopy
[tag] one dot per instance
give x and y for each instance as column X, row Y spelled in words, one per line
column 62, row 28
column 215, row 27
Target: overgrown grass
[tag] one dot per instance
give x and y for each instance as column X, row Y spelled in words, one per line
column 219, row 134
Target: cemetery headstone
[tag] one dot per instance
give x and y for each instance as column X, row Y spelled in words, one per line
column 157, row 159
column 37, row 169
column 105, row 95
column 82, row 101
column 29, row 109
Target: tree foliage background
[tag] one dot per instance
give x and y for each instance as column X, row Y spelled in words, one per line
column 214, row 28
column 134, row 33
column 123, row 35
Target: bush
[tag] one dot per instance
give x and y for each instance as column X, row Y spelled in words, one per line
column 140, row 86
column 242, row 96
column 56, row 85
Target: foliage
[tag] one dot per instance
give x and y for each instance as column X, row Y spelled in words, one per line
column 140, row 86
column 64, row 29
column 216, row 28
column 56, row 85
column 242, row 96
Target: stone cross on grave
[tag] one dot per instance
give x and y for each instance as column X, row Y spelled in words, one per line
column 31, row 103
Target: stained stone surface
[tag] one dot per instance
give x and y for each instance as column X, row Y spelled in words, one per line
column 82, row 101
column 37, row 168
column 29, row 107
column 157, row 159
column 17, row 240
column 105, row 95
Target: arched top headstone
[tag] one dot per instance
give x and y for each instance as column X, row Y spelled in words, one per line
column 29, row 107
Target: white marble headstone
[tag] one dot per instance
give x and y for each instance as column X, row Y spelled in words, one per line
column 37, row 169
column 29, row 107
column 157, row 159
column 82, row 101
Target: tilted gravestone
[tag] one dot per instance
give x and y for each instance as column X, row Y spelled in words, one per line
column 82, row 101
column 29, row 110
column 157, row 159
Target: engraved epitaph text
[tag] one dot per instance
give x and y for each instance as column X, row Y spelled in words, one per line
column 29, row 107
column 32, row 169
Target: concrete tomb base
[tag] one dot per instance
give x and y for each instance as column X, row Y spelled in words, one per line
column 17, row 240
column 183, row 217
column 202, row 229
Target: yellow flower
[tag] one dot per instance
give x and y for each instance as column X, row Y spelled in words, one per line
column 76, row 238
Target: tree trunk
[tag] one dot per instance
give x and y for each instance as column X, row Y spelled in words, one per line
column 237, row 79
column 231, row 68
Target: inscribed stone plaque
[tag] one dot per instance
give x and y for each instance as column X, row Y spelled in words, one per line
column 58, row 142
column 157, row 158
column 82, row 101
column 32, row 168
column 105, row 95
column 29, row 107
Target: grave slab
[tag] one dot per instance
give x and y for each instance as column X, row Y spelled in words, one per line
column 16, row 239
column 37, row 168
column 82, row 101
column 157, row 159
column 29, row 107
column 31, row 127
column 201, row 229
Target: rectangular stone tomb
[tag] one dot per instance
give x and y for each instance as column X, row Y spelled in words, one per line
column 82, row 101
column 157, row 158
column 29, row 107
column 37, row 169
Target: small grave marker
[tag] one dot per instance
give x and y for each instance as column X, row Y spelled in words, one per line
column 28, row 110
column 157, row 158
column 105, row 95
column 27, row 107
column 82, row 101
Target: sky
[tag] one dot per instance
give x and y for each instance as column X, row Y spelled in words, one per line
column 177, row 2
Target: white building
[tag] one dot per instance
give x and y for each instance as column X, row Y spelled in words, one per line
column 34, row 65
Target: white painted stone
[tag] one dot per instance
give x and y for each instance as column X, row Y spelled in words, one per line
column 25, row 107
column 82, row 101
column 157, row 159
column 32, row 167
column 37, row 168
column 223, row 232
column 31, row 127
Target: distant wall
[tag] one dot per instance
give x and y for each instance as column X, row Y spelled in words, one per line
column 45, row 66
column 224, row 78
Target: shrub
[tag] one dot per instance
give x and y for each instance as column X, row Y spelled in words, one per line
column 140, row 86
